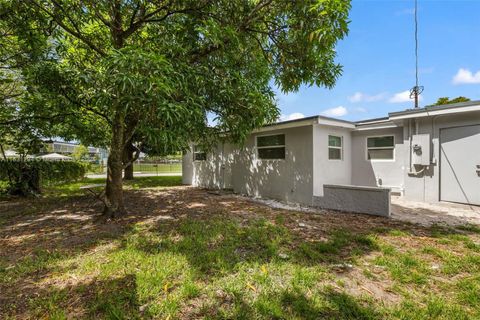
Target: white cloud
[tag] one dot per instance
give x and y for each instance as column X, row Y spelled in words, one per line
column 335, row 112
column 292, row 116
column 465, row 76
column 403, row 96
column 360, row 109
column 363, row 97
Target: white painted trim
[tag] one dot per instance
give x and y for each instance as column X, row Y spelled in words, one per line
column 334, row 147
column 378, row 127
column 431, row 112
column 337, row 124
column 283, row 126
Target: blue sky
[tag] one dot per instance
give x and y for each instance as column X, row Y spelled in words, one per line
column 379, row 63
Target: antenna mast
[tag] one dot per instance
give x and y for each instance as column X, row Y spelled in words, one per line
column 416, row 90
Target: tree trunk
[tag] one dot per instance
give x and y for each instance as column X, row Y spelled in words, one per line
column 114, row 205
column 128, row 158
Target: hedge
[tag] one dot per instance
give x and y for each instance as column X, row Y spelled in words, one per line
column 26, row 177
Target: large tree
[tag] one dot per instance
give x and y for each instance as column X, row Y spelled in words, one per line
column 152, row 72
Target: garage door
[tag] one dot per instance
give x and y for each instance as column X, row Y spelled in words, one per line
column 460, row 164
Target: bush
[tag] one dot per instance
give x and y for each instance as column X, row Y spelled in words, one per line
column 27, row 177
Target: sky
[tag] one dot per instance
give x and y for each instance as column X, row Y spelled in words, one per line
column 379, row 62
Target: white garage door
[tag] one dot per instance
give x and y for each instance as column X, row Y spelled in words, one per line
column 460, row 164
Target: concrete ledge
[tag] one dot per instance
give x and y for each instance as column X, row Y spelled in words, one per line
column 358, row 199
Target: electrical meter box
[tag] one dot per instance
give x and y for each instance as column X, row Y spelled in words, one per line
column 421, row 149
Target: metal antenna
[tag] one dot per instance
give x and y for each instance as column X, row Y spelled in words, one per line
column 416, row 90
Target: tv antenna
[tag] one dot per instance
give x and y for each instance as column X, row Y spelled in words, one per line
column 416, row 90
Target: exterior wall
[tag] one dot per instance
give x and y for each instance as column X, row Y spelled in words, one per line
column 288, row 180
column 327, row 171
column 306, row 170
column 215, row 172
column 378, row 173
column 369, row 200
column 426, row 186
column 187, row 168
column 239, row 168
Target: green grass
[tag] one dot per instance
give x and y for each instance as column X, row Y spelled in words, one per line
column 235, row 266
column 73, row 188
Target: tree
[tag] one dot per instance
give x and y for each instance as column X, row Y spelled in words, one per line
column 447, row 100
column 80, row 153
column 151, row 72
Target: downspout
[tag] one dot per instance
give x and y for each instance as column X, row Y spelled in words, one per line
column 410, row 142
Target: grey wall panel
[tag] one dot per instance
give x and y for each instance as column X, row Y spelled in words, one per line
column 327, row 171
column 426, row 186
column 386, row 173
column 288, row 180
column 460, row 164
column 369, row 200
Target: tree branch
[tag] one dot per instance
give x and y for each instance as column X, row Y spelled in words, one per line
column 76, row 33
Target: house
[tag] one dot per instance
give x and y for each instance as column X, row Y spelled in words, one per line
column 68, row 148
column 426, row 154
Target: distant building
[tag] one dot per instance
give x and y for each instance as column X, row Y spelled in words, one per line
column 68, row 148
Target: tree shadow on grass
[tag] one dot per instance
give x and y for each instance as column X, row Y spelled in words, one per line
column 218, row 245
column 216, row 237
column 294, row 304
column 114, row 298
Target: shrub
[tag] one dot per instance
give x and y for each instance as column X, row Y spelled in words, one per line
column 27, row 177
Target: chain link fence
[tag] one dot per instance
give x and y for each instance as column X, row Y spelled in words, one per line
column 150, row 165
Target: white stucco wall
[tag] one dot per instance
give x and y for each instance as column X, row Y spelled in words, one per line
column 425, row 187
column 327, row 171
column 215, row 172
column 306, row 167
column 239, row 168
column 289, row 180
column 187, row 168
column 378, row 173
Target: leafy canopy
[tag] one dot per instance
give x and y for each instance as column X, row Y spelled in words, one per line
column 168, row 66
column 447, row 100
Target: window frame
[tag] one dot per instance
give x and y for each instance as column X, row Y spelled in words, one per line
column 270, row 147
column 334, row 147
column 367, row 148
column 195, row 152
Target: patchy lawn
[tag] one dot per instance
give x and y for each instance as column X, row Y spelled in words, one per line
column 186, row 253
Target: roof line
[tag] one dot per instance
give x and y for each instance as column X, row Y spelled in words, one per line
column 307, row 118
column 380, row 119
column 434, row 108
column 371, row 120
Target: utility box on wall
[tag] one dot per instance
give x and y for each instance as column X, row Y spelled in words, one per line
column 421, row 149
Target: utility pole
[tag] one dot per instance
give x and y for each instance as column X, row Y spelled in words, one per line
column 416, row 90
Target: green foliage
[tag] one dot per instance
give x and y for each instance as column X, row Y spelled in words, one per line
column 80, row 153
column 155, row 74
column 27, row 177
column 173, row 65
column 447, row 100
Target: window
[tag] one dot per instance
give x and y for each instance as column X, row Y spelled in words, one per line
column 335, row 148
column 271, row 147
column 380, row 148
column 199, row 154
